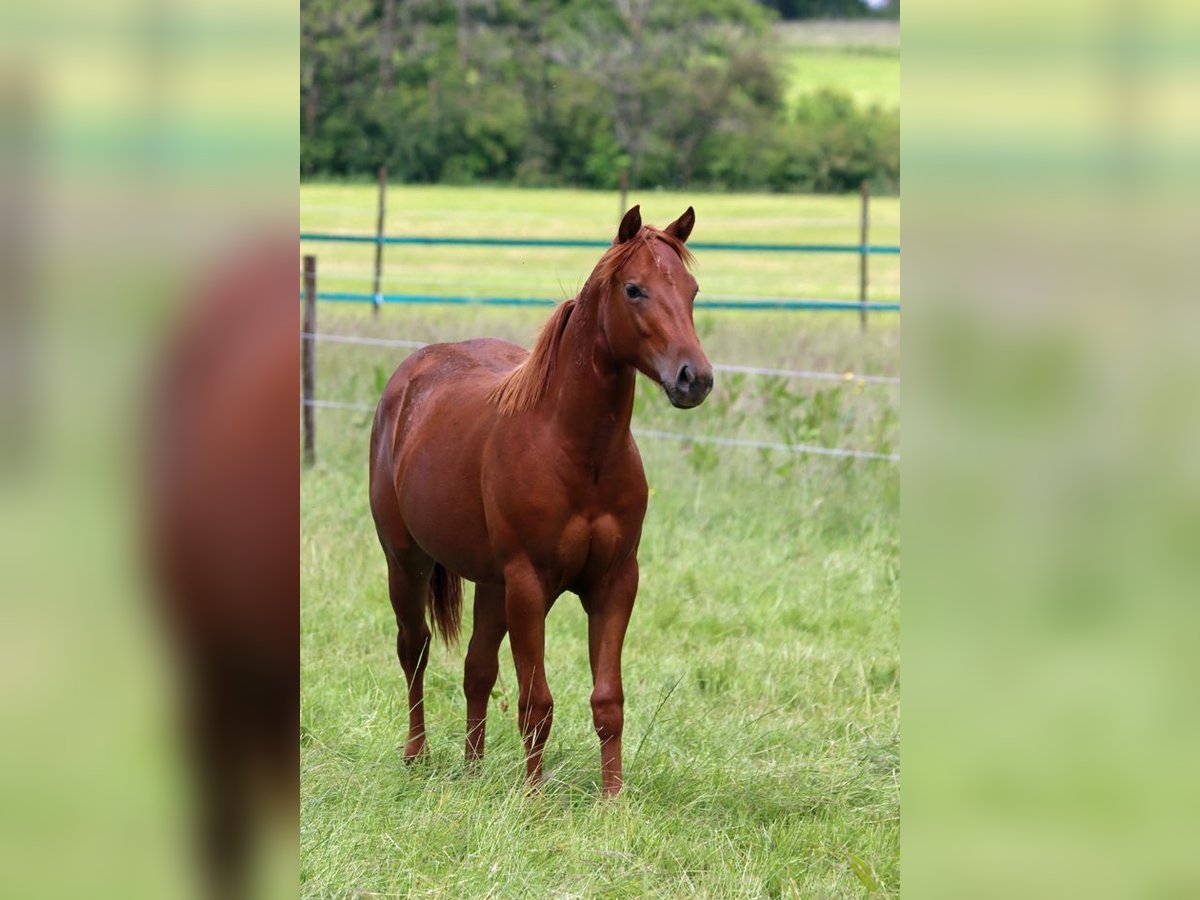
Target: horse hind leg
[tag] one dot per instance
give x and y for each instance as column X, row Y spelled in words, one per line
column 483, row 663
column 408, row 587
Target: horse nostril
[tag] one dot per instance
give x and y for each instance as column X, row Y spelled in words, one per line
column 685, row 377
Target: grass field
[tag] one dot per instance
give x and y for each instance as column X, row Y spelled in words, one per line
column 861, row 58
column 762, row 662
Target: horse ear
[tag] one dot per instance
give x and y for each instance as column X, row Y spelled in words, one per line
column 682, row 226
column 630, row 225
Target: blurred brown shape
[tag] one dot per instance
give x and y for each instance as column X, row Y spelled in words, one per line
column 222, row 474
column 18, row 179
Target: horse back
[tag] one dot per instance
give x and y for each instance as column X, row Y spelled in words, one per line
column 469, row 368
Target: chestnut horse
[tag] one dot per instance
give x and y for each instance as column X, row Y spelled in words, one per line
column 517, row 470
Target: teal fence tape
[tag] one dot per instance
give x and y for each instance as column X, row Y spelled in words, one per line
column 832, row 305
column 312, row 237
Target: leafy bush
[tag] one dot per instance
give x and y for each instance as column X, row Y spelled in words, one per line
column 835, row 146
column 677, row 93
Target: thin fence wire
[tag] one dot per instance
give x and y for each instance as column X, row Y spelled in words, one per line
column 359, row 339
column 764, row 445
column 806, row 449
column 847, row 376
column 338, row 404
column 429, row 240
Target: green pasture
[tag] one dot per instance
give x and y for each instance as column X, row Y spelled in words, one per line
column 861, row 58
column 870, row 76
column 762, row 662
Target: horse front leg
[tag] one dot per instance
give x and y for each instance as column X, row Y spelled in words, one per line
column 525, row 605
column 609, row 608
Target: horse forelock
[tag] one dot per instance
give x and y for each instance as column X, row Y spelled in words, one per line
column 619, row 255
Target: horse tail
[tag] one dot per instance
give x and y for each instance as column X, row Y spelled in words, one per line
column 445, row 606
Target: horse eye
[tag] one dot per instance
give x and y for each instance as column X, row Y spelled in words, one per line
column 632, row 291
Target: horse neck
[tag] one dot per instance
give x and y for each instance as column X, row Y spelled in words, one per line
column 592, row 393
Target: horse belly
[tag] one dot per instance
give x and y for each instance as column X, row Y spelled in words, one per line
column 443, row 510
column 438, row 488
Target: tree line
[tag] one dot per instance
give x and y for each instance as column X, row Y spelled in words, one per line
column 676, row 93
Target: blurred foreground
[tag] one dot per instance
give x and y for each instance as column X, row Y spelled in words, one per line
column 148, row 462
column 1052, row 456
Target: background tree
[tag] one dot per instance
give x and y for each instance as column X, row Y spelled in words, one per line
column 543, row 92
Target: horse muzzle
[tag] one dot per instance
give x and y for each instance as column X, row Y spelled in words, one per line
column 690, row 386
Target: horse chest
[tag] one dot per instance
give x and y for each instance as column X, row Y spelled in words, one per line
column 570, row 520
column 590, row 545
column 613, row 520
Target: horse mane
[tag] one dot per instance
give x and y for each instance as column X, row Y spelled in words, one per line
column 524, row 386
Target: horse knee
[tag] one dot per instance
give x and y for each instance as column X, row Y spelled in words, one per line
column 479, row 676
column 536, row 711
column 608, row 713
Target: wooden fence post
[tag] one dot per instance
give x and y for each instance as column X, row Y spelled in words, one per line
column 307, row 343
column 624, row 195
column 377, row 294
column 863, row 255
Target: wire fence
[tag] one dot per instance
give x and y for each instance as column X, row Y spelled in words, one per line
column 863, row 248
column 379, row 297
column 807, row 449
column 848, row 375
column 311, row 337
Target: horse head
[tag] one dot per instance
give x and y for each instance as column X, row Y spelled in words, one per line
column 646, row 302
